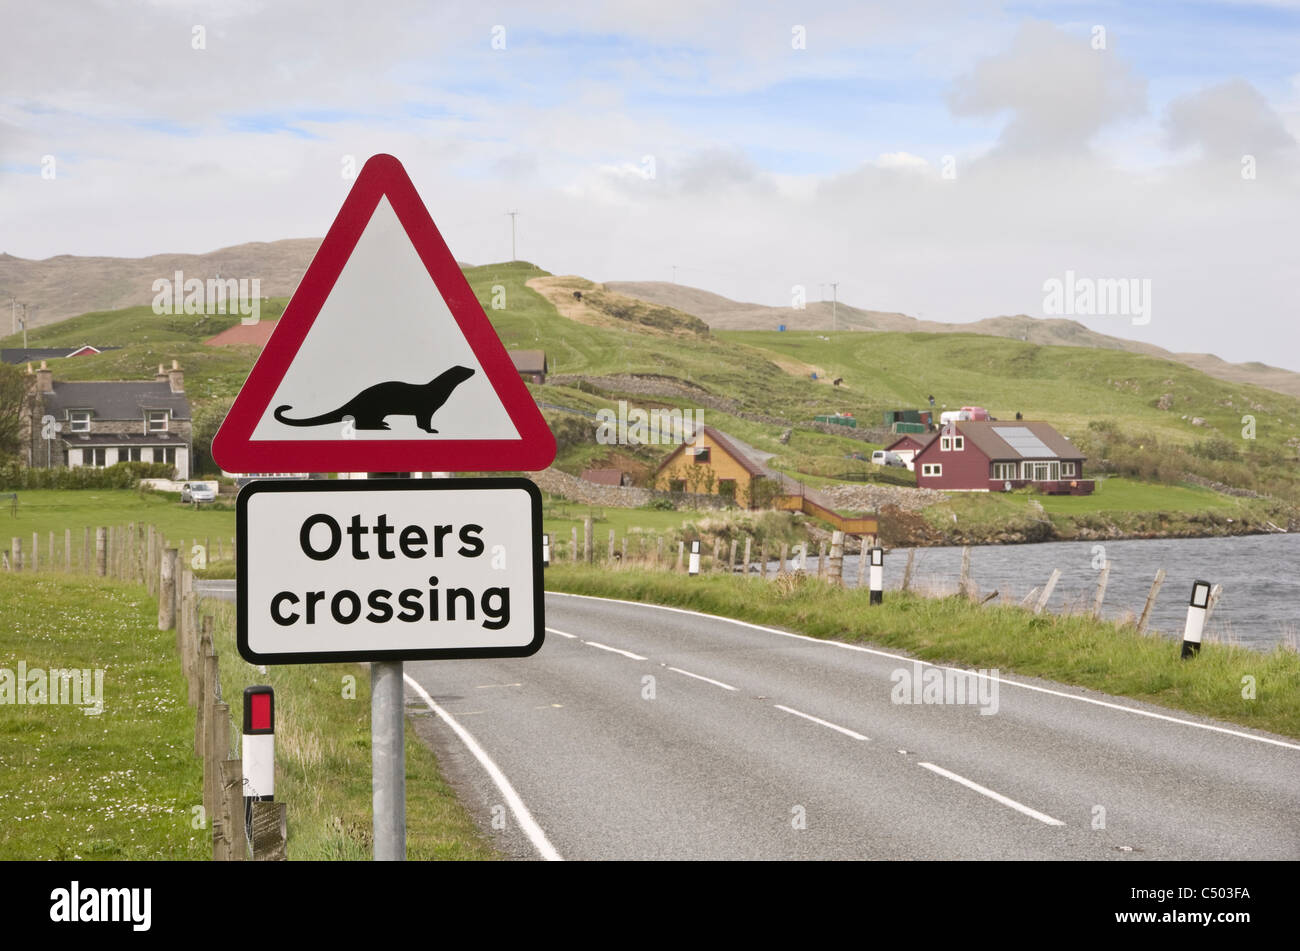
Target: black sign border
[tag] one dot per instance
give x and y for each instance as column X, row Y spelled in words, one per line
column 260, row 486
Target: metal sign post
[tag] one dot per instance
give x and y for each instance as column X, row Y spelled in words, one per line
column 388, row 760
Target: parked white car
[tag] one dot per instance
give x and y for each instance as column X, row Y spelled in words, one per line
column 883, row 457
column 197, row 492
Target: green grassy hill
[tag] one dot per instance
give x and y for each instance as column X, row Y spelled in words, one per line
column 1131, row 413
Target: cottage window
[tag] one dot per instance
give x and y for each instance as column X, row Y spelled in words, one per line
column 132, row 454
column 157, row 420
column 952, row 443
column 700, row 454
column 79, row 421
column 1067, row 469
column 1004, row 470
column 165, row 454
column 99, row 458
column 931, row 468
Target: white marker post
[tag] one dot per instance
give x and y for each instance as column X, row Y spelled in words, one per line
column 257, row 751
column 877, row 575
column 693, row 568
column 546, row 549
column 1196, row 610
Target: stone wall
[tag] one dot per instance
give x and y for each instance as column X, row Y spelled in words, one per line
column 623, row 496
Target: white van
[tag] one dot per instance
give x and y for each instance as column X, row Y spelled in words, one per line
column 883, row 457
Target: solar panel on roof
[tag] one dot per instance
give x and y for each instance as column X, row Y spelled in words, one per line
column 1023, row 441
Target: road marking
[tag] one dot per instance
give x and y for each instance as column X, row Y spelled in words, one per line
column 551, row 630
column 913, row 660
column 525, row 818
column 616, row 650
column 997, row 797
column 486, row 686
column 844, row 730
column 707, row 680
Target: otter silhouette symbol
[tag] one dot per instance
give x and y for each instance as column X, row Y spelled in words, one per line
column 369, row 407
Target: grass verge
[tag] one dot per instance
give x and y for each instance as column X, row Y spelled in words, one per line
column 119, row 785
column 1068, row 649
column 323, row 760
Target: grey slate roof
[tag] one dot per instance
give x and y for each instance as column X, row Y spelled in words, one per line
column 18, row 355
column 113, row 400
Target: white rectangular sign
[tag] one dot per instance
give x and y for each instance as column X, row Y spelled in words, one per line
column 332, row 571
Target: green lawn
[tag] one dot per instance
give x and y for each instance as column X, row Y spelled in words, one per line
column 1118, row 494
column 120, row 785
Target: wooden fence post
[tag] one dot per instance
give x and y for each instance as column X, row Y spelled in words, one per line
column 748, row 542
column 1101, row 590
column 201, row 707
column 167, row 591
column 1151, row 601
column 232, row 810
column 907, row 569
column 85, row 550
column 67, row 549
column 101, row 551
column 1047, row 591
column 270, row 832
column 785, row 557
column 573, row 547
column 762, row 556
column 624, row 550
column 587, row 554
column 217, row 751
column 821, row 558
column 36, row 552
column 16, row 554
column 964, row 587
column 611, row 546
column 731, row 561
column 717, row 554
column 681, row 553
column 835, row 566
column 1215, row 592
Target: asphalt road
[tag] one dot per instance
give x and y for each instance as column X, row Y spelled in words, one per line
column 640, row 732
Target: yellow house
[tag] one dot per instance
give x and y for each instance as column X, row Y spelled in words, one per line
column 712, row 465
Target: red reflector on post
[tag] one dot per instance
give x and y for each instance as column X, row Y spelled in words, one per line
column 261, row 711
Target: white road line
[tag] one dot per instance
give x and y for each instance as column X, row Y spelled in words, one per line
column 525, row 818
column 551, row 630
column 707, row 680
column 913, row 660
column 997, row 797
column 616, row 650
column 844, row 730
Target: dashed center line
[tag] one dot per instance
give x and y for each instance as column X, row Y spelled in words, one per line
column 616, row 650
column 996, row 797
column 707, row 680
column 551, row 630
column 840, row 729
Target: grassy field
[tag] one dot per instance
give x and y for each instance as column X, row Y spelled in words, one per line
column 1109, row 401
column 323, row 762
column 46, row 510
column 123, row 784
column 1067, row 649
column 120, row 785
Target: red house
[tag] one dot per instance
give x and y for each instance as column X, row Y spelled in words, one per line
column 908, row 445
column 970, row 456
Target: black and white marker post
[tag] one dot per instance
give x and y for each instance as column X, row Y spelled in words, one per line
column 546, row 549
column 693, row 567
column 877, row 579
column 1196, row 611
column 258, row 750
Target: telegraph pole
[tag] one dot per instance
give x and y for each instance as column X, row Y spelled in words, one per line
column 512, row 215
column 834, row 302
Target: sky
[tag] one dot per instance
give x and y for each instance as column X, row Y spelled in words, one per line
column 948, row 160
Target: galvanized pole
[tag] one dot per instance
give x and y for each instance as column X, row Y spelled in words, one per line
column 388, row 760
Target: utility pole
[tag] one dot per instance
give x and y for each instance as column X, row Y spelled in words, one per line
column 834, row 302
column 13, row 315
column 512, row 215
column 23, row 321
column 674, row 273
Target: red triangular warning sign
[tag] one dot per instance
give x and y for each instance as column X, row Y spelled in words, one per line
column 383, row 361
